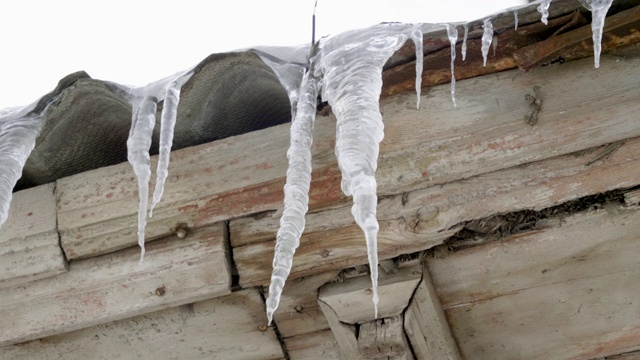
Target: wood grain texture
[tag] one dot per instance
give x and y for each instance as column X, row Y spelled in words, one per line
column 29, row 245
column 566, row 291
column 434, row 145
column 384, row 339
column 116, row 286
column 199, row 330
column 319, row 345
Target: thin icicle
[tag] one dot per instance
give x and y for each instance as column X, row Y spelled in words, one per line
column 352, row 67
column 543, row 9
column 464, row 41
column 452, row 33
column 167, row 125
column 416, row 36
column 18, row 132
column 487, row 37
column 598, row 10
column 296, row 189
column 515, row 19
column 138, row 144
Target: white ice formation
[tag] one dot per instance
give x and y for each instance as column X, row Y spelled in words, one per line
column 543, row 9
column 515, row 19
column 452, row 34
column 598, row 10
column 487, row 37
column 416, row 37
column 464, row 42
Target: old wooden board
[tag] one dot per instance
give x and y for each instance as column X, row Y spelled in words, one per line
column 384, row 339
column 567, row 291
column 318, row 345
column 434, row 145
column 29, row 245
column 116, row 286
column 227, row 327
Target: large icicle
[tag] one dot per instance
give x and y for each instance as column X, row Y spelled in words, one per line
column 138, row 144
column 167, row 125
column 598, row 10
column 487, row 37
column 18, row 132
column 296, row 189
column 543, row 9
column 515, row 19
column 464, row 41
column 416, row 36
column 352, row 67
column 452, row 34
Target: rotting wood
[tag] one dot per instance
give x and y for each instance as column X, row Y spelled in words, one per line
column 344, row 334
column 220, row 328
column 351, row 300
column 426, row 325
column 620, row 30
column 29, row 245
column 97, row 210
column 117, row 286
column 578, row 279
column 384, row 339
column 320, row 344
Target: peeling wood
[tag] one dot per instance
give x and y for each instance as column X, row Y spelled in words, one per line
column 117, row 286
column 384, row 339
column 578, row 279
column 351, row 300
column 426, row 324
column 194, row 331
column 29, row 246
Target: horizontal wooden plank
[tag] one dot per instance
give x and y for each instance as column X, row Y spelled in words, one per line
column 29, row 244
column 577, row 278
column 320, row 344
column 227, row 327
column 434, row 145
column 116, row 286
column 351, row 299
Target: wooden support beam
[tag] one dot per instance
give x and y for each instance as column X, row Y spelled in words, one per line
column 567, row 290
column 29, row 245
column 222, row 328
column 426, row 324
column 351, row 300
column 222, row 180
column 312, row 346
column 117, row 286
column 384, row 339
column 344, row 334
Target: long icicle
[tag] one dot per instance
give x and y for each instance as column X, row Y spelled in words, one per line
column 416, row 36
column 138, row 144
column 464, row 41
column 296, row 189
column 487, row 37
column 599, row 9
column 452, row 34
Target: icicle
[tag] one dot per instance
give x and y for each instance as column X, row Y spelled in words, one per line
column 296, row 189
column 487, row 36
column 416, row 36
column 18, row 132
column 598, row 10
column 543, row 9
column 167, row 125
column 464, row 42
column 352, row 66
column 515, row 19
column 452, row 33
column 138, row 144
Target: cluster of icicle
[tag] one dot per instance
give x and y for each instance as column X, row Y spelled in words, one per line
column 348, row 69
column 345, row 69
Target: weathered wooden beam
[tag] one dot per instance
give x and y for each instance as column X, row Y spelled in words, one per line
column 620, row 30
column 313, row 345
column 568, row 290
column 227, row 327
column 117, row 286
column 29, row 245
column 351, row 300
column 426, row 324
column 384, row 339
column 344, row 334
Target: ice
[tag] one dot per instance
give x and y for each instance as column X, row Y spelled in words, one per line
column 515, row 19
column 296, row 189
column 464, row 42
column 19, row 128
column 452, row 33
column 487, row 37
column 416, row 37
column 598, row 10
column 543, row 9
